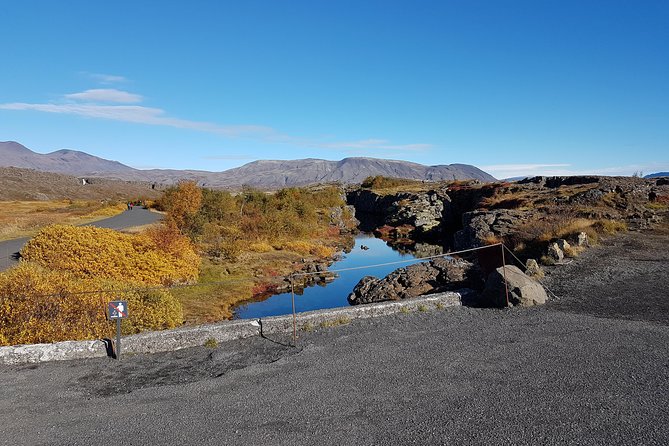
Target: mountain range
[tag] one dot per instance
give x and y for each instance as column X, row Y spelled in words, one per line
column 264, row 174
column 657, row 175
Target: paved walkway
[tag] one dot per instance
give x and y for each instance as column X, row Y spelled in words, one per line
column 9, row 250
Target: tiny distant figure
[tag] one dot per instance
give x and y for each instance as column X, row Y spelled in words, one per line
column 128, row 205
column 131, row 205
column 364, row 247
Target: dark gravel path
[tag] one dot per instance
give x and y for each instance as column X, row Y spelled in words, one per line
column 586, row 369
column 9, row 249
column 625, row 277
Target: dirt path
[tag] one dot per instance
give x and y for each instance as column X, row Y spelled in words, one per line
column 591, row 368
column 9, row 249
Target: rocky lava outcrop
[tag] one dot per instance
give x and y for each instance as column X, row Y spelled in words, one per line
column 449, row 274
column 435, row 276
column 547, row 217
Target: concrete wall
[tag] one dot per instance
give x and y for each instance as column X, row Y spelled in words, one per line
column 192, row 336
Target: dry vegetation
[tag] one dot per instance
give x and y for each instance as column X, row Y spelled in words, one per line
column 25, row 218
column 60, row 289
column 249, row 241
column 546, row 213
column 30, row 200
column 389, row 186
column 42, row 305
column 159, row 256
column 31, row 185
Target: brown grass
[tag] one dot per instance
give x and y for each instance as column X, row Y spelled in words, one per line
column 492, row 240
column 610, row 226
column 25, row 218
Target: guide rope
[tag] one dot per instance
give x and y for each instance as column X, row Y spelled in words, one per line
column 290, row 277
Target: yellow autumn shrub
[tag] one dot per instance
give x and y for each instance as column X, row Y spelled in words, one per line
column 158, row 257
column 38, row 305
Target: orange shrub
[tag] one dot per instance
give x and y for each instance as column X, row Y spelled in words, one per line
column 181, row 202
column 104, row 253
column 38, row 305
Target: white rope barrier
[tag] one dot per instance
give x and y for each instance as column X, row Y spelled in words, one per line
column 397, row 262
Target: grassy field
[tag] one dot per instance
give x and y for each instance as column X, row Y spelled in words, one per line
column 25, row 218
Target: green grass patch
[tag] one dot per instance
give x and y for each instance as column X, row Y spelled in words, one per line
column 211, row 343
column 342, row 320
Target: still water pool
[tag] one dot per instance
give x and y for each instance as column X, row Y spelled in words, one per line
column 334, row 293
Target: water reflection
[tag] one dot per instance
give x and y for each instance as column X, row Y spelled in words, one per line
column 334, row 294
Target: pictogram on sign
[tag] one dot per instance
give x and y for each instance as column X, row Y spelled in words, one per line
column 118, row 309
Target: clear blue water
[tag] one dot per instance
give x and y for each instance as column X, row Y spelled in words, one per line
column 334, row 293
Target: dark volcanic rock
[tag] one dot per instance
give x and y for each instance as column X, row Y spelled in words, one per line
column 436, row 276
column 422, row 211
column 426, row 213
column 589, row 197
column 554, row 182
column 478, row 227
column 369, row 202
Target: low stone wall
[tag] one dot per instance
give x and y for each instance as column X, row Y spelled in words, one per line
column 193, row 336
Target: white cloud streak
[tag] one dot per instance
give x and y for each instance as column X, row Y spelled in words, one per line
column 105, row 95
column 107, row 78
column 518, row 170
column 139, row 115
column 91, row 104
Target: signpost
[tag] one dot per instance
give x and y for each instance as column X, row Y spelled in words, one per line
column 118, row 309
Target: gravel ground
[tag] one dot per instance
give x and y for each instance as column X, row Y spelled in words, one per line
column 590, row 368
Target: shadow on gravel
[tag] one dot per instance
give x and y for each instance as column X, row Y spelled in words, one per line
column 109, row 377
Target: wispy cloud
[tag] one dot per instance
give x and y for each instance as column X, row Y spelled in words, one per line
column 102, row 103
column 105, row 95
column 106, row 78
column 139, row 115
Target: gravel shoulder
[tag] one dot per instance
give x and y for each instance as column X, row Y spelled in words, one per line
column 590, row 368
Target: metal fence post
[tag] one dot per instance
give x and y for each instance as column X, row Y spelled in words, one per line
column 292, row 294
column 506, row 285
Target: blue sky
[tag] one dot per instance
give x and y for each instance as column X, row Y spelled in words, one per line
column 513, row 87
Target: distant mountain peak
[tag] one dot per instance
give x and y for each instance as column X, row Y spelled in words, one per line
column 265, row 174
column 14, row 147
